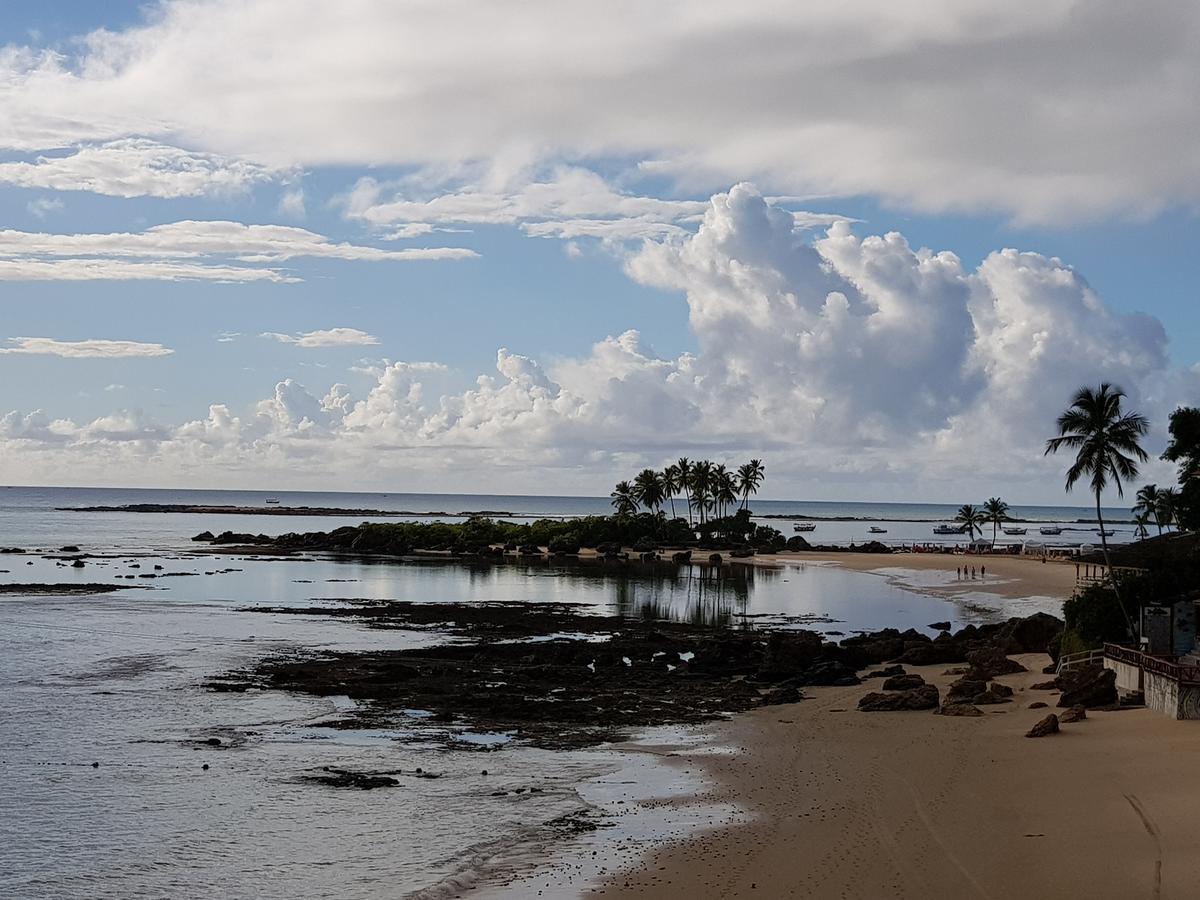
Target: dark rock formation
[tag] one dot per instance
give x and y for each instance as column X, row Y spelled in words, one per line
column 903, row 682
column 940, row 626
column 959, row 709
column 886, row 672
column 966, row 688
column 1044, row 727
column 989, row 662
column 1074, row 714
column 1038, row 704
column 924, row 697
column 1090, row 687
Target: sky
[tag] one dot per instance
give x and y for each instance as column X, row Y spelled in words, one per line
column 534, row 248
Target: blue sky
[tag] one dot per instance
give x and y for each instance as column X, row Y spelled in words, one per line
column 212, row 113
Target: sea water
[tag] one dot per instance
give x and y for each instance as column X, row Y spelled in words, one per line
column 105, row 723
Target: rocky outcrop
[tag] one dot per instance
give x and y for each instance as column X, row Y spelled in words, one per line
column 995, row 693
column 903, row 682
column 204, row 536
column 1044, row 727
column 886, row 672
column 965, row 689
column 960, row 709
column 1089, row 688
column 990, row 662
column 924, row 697
column 1074, row 714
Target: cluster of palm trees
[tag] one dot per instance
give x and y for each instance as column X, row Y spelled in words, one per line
column 711, row 490
column 973, row 518
column 1154, row 505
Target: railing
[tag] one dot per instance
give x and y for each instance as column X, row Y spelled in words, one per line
column 1185, row 673
column 1076, row 660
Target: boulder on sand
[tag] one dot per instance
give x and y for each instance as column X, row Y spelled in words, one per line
column 1089, row 687
column 1046, row 726
column 960, row 709
column 1074, row 714
column 886, row 672
column 995, row 693
column 923, row 697
column 204, row 536
column 992, row 661
column 966, row 688
column 903, row 682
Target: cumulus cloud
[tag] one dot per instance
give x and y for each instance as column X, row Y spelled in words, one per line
column 43, row 206
column 133, row 167
column 89, row 349
column 187, row 250
column 329, row 337
column 844, row 357
column 1077, row 111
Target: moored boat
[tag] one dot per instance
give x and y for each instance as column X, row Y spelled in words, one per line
column 1014, row 530
column 946, row 529
column 1050, row 529
column 875, row 529
column 805, row 526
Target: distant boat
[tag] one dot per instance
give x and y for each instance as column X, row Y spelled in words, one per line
column 1050, row 529
column 272, row 501
column 875, row 529
column 947, row 529
column 1105, row 532
column 1015, row 531
column 805, row 526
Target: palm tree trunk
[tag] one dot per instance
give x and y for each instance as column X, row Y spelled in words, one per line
column 1108, row 563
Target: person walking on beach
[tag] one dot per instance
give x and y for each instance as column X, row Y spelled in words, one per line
column 958, row 573
column 983, row 571
column 972, row 573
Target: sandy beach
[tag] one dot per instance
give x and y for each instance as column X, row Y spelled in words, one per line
column 915, row 805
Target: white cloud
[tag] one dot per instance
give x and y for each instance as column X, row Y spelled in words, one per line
column 847, row 359
column 213, row 251
column 89, row 349
column 228, row 337
column 291, row 204
column 43, row 206
column 329, row 337
column 1075, row 112
column 133, row 167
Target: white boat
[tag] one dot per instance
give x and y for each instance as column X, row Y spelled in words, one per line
column 1050, row 529
column 947, row 529
column 1015, row 530
column 272, row 501
column 805, row 526
column 1105, row 532
column 875, row 529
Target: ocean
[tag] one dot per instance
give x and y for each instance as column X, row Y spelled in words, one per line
column 105, row 726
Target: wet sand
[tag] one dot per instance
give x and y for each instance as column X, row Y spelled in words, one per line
column 915, row 805
column 1007, row 576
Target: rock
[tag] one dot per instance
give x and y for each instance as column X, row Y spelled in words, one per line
column 682, row 557
column 1051, row 669
column 1044, row 686
column 78, row 564
column 992, row 661
column 742, row 553
column 204, row 536
column 903, row 682
column 957, row 670
column 1038, row 704
column 1074, row 714
column 70, row 548
column 606, row 547
column 1094, row 687
column 714, row 559
column 959, row 709
column 1046, row 726
column 940, row 626
column 797, row 543
column 788, row 654
column 829, row 673
column 924, row 697
column 886, row 672
column 12, row 550
column 994, row 694
column 1033, row 634
column 644, row 545
column 782, row 695
column 965, row 689
column 932, row 653
column 343, row 778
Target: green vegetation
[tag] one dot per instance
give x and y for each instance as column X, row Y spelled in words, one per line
column 1184, row 449
column 710, row 489
column 995, row 511
column 972, row 519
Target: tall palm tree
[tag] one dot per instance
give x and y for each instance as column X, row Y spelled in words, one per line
column 648, row 489
column 624, row 500
column 1105, row 440
column 995, row 511
column 1141, row 520
column 1165, row 507
column 684, row 466
column 724, row 489
column 1146, row 501
column 671, row 485
column 701, row 488
column 750, row 479
column 972, row 518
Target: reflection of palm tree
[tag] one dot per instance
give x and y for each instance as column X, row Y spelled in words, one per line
column 972, row 519
column 1105, row 440
column 624, row 500
column 995, row 511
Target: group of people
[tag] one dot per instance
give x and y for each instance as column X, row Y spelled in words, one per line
column 964, row 570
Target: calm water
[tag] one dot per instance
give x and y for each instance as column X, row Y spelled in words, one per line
column 115, row 679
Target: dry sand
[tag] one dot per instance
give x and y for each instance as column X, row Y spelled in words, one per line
column 915, row 805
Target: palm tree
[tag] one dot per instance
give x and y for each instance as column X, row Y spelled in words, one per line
column 701, row 487
column 648, row 489
column 725, row 491
column 624, row 500
column 1105, row 439
column 1141, row 520
column 1147, row 503
column 995, row 511
column 972, row 519
column 684, row 467
column 1164, row 507
column 671, row 485
column 750, row 478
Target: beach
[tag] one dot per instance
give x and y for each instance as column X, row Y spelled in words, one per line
column 916, row 805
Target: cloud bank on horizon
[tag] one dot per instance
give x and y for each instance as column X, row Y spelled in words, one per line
column 837, row 357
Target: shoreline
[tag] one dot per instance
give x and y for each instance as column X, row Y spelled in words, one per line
column 916, row 805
